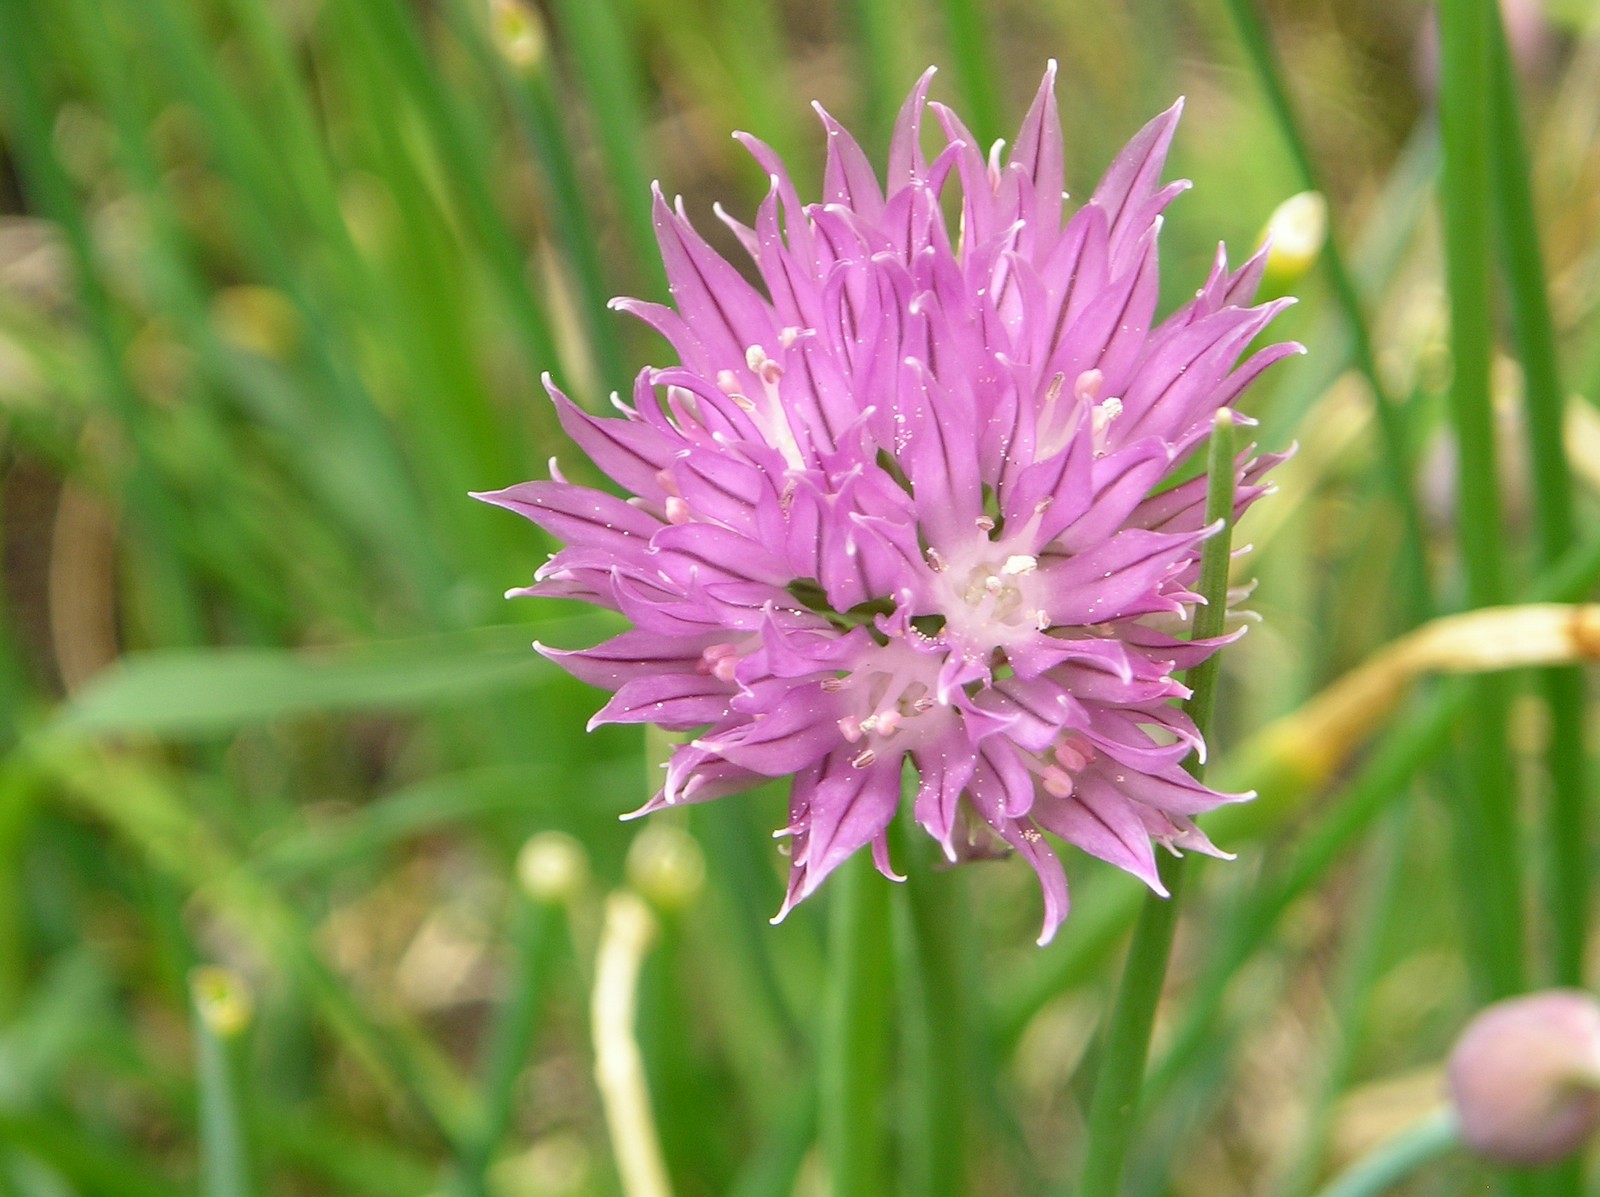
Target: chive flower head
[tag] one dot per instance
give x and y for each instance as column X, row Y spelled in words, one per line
column 912, row 506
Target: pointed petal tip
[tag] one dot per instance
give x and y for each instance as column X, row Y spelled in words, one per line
column 789, row 903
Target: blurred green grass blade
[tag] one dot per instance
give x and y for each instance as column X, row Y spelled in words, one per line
column 1566, row 823
column 1377, row 256
column 360, row 471
column 392, row 33
column 935, row 930
column 536, row 106
column 140, row 803
column 1392, row 1162
column 885, row 58
column 1115, row 1107
column 1382, row 781
column 537, row 930
column 772, row 1169
column 41, row 1040
column 229, row 537
column 1102, row 915
column 323, row 1144
column 431, row 805
column 28, row 108
column 733, row 60
column 1392, row 421
column 179, row 693
column 744, row 884
column 18, row 807
column 605, row 63
column 853, row 1059
column 752, row 49
column 1486, row 835
column 221, row 1015
column 972, row 62
column 93, row 1167
column 1373, row 912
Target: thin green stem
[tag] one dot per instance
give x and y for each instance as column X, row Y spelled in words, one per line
column 221, row 1016
column 1522, row 258
column 1486, row 834
column 938, row 992
column 1396, row 1160
column 1114, row 1109
column 606, row 67
column 536, row 106
column 1420, row 738
column 973, row 63
column 882, row 34
column 536, row 931
column 1370, row 918
column 854, row 1055
column 391, row 31
column 1391, row 415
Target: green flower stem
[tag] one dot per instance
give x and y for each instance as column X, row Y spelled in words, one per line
column 972, row 61
column 1114, row 1109
column 1386, row 1166
column 391, row 32
column 772, row 1170
column 1566, row 829
column 1391, row 415
column 854, row 1057
column 1486, row 833
column 221, row 1018
column 1361, row 959
column 937, row 994
column 535, row 935
column 1418, row 739
column 604, row 63
column 535, row 105
column 882, row 31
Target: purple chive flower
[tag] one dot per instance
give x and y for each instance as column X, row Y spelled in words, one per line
column 908, row 502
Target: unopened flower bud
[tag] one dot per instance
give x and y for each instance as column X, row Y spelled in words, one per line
column 1296, row 232
column 1525, row 1077
column 552, row 867
column 222, row 1000
column 518, row 33
column 665, row 864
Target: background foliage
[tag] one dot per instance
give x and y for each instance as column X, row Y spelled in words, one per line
column 278, row 281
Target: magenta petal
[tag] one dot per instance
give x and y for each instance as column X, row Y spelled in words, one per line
column 848, row 808
column 945, row 769
column 1104, row 824
column 576, row 514
column 629, row 451
column 795, row 733
column 1134, row 175
column 628, row 656
column 1114, row 578
column 676, row 702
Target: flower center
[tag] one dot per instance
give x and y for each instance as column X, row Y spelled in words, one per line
column 890, row 695
column 995, row 591
column 989, row 604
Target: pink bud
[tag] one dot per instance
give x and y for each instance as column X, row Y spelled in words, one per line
column 1525, row 1077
